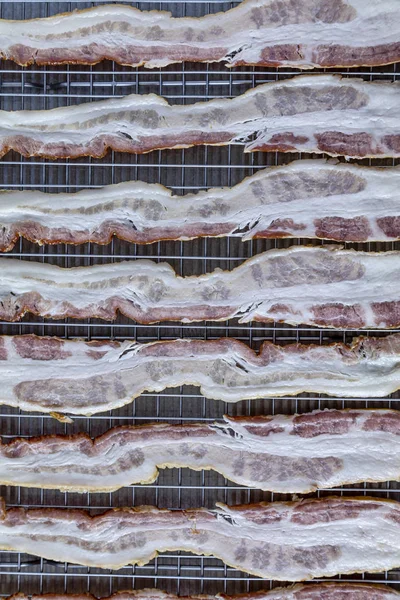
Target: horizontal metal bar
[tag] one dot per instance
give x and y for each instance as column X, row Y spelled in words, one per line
column 107, row 417
column 26, row 163
column 204, row 569
column 226, row 326
column 186, row 72
column 384, row 493
column 131, row 257
column 110, row 96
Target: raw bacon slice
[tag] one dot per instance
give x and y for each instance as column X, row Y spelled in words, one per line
column 286, row 454
column 316, row 591
column 321, row 113
column 286, row 541
column 324, row 286
column 308, row 199
column 52, row 375
column 294, row 33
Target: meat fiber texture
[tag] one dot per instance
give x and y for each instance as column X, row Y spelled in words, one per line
column 307, row 199
column 288, row 33
column 284, row 454
column 285, row 541
column 50, row 375
column 320, row 113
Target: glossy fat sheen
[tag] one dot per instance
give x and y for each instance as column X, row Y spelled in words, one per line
column 321, row 113
column 316, row 591
column 309, row 199
column 290, row 541
column 323, row 286
column 303, row 34
column 72, row 376
column 287, row 454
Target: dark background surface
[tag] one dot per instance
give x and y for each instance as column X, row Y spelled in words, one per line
column 183, row 171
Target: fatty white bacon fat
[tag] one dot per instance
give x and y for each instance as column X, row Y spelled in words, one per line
column 308, row 199
column 315, row 591
column 286, row 454
column 72, row 376
column 324, row 286
column 295, row 33
column 321, row 113
column 285, row 541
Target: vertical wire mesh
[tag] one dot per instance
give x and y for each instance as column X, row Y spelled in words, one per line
column 183, row 171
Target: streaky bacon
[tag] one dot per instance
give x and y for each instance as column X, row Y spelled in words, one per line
column 292, row 33
column 300, row 591
column 321, row 113
column 73, row 376
column 324, row 286
column 307, row 199
column 284, row 454
column 285, row 541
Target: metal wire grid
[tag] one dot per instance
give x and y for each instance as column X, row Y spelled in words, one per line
column 182, row 170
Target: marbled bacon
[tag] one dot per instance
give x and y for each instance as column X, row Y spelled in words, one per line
column 287, row 454
column 295, row 33
column 290, row 541
column 322, row 114
column 310, row 198
column 315, row 591
column 324, row 286
column 52, row 375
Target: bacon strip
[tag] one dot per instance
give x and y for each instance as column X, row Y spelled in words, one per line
column 286, row 541
column 299, row 33
column 308, row 199
column 321, row 286
column 322, row 114
column 316, row 591
column 52, row 375
column 286, row 454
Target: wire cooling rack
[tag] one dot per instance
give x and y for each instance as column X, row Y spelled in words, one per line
column 183, row 171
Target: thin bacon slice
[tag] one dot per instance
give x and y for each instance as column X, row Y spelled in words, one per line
column 287, row 454
column 52, row 375
column 315, row 591
column 286, row 541
column 294, row 33
column 322, row 114
column 324, row 286
column 308, row 199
